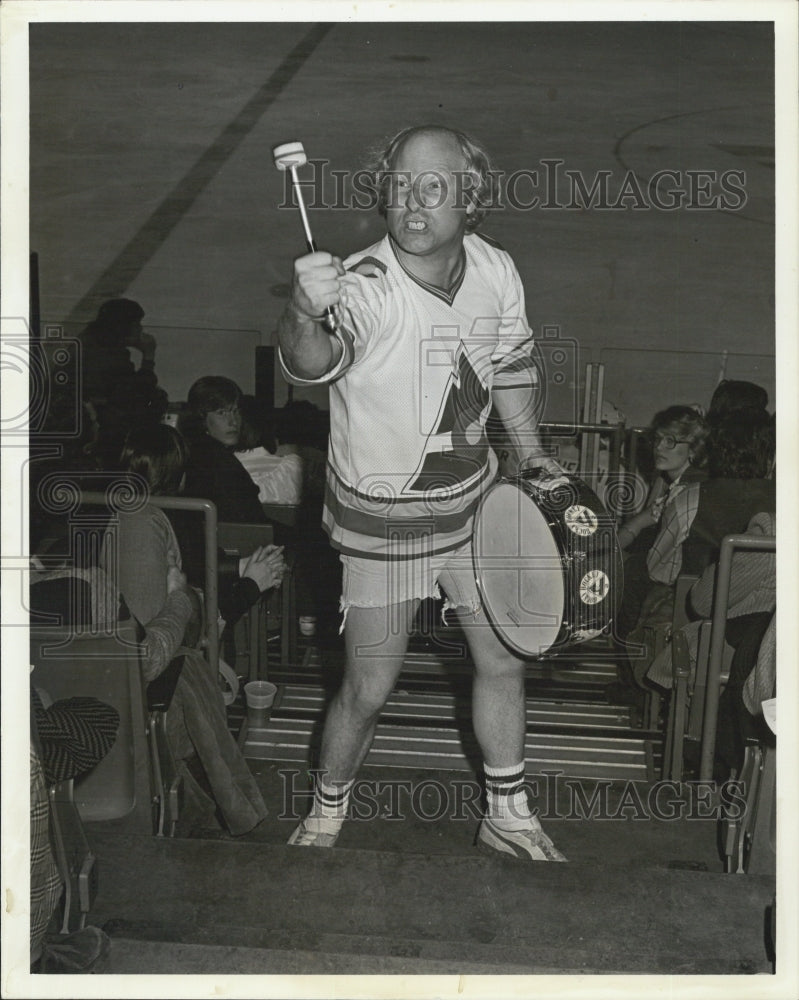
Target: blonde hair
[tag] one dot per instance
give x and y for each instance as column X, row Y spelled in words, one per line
column 483, row 190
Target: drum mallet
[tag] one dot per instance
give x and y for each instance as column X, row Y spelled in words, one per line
column 289, row 156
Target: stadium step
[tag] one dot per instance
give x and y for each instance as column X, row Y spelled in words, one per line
column 265, row 908
column 447, row 748
column 426, row 724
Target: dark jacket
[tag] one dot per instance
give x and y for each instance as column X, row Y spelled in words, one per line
column 214, row 473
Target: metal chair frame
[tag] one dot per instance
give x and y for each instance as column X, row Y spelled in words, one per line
column 729, row 546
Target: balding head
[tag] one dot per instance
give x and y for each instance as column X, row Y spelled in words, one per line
column 461, row 151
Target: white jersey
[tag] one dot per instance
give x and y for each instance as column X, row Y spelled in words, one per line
column 409, row 458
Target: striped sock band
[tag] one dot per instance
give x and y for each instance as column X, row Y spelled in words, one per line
column 331, row 801
column 506, row 795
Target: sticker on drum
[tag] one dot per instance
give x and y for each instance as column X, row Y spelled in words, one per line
column 580, row 519
column 594, row 587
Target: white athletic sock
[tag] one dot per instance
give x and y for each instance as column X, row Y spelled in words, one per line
column 508, row 805
column 331, row 801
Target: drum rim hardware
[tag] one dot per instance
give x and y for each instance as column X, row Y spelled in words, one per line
column 587, row 532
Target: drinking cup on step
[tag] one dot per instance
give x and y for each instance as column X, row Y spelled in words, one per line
column 259, row 696
column 307, row 625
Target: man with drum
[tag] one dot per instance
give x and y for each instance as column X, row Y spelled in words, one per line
column 429, row 332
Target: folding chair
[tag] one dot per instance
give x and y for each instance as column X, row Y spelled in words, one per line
column 687, row 706
column 69, row 664
column 657, row 638
column 208, row 511
column 73, row 660
column 74, row 859
column 282, row 513
column 693, row 712
column 715, row 668
column 749, row 826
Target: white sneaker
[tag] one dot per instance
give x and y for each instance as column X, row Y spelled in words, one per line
column 528, row 844
column 316, row 831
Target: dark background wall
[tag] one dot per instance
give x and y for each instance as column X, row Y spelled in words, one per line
column 152, row 177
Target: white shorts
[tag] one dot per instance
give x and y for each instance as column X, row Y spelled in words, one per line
column 374, row 583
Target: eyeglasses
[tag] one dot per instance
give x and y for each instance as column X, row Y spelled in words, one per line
column 668, row 441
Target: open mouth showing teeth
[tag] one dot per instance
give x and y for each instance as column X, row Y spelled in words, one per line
column 417, row 226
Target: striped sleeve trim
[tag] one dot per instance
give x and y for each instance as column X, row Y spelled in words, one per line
column 490, row 241
column 365, row 266
column 517, row 367
column 347, row 341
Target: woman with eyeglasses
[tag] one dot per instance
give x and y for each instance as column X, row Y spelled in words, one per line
column 678, row 436
column 740, row 484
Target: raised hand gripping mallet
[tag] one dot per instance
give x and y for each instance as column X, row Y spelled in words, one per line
column 289, row 156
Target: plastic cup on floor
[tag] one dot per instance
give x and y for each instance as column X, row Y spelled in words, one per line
column 307, row 625
column 259, row 696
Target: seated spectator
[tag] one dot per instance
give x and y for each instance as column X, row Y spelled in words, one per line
column 678, row 444
column 755, row 583
column 740, row 453
column 759, row 693
column 142, row 560
column 750, row 610
column 68, row 739
column 122, row 395
column 75, row 734
column 677, row 436
column 212, row 428
column 106, row 364
column 241, row 582
column 76, row 461
column 731, row 395
column 678, row 449
column 84, row 950
column 302, row 429
column 279, row 478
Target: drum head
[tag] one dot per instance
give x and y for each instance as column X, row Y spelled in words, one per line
column 519, row 570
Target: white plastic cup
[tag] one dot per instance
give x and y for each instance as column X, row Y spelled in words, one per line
column 259, row 696
column 307, row 625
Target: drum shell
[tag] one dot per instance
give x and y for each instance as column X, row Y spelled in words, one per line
column 547, row 564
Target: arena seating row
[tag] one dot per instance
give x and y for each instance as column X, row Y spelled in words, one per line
column 138, row 785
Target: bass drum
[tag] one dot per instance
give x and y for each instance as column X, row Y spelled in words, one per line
column 547, row 563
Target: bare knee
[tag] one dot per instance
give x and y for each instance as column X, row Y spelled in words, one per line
column 500, row 665
column 364, row 696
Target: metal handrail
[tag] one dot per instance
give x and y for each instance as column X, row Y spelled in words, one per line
column 729, row 545
column 210, row 596
column 615, row 431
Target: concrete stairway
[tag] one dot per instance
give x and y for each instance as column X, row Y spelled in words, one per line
column 227, row 907
column 643, row 893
